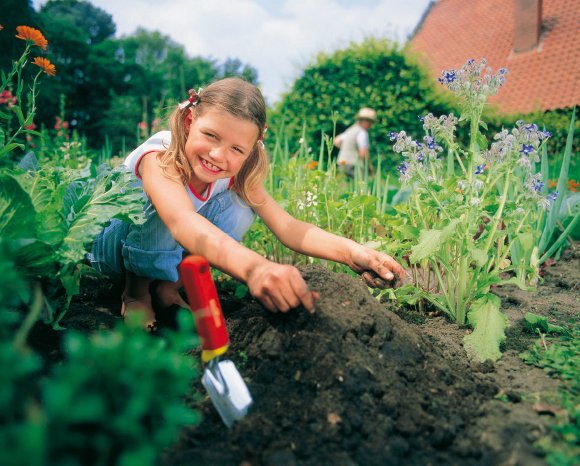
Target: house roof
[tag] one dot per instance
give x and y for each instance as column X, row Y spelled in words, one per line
column 544, row 78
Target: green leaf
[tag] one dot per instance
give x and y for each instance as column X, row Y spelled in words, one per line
column 489, row 326
column 241, row 291
column 46, row 188
column 478, row 255
column 10, row 147
column 431, row 240
column 552, row 217
column 534, row 322
column 17, row 219
column 89, row 208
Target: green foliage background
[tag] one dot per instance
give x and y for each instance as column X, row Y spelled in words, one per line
column 376, row 73
column 110, row 83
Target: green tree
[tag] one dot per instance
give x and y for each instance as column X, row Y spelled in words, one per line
column 376, row 73
column 16, row 13
column 75, row 30
column 234, row 67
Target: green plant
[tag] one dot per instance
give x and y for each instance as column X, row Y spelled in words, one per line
column 10, row 139
column 468, row 207
column 560, row 357
column 50, row 218
column 315, row 194
column 115, row 399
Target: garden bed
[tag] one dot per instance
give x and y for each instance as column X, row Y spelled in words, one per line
column 360, row 382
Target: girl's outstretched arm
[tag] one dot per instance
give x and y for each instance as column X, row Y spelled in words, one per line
column 308, row 239
column 279, row 287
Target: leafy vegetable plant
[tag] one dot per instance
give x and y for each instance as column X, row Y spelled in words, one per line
column 472, row 210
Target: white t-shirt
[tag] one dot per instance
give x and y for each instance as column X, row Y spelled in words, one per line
column 353, row 139
column 159, row 142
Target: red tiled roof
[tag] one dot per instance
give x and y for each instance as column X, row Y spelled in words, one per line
column 545, row 78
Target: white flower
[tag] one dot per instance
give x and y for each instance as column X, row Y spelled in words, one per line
column 475, row 201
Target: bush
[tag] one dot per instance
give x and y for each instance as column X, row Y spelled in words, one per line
column 116, row 398
column 375, row 73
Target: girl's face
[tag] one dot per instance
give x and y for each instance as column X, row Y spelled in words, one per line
column 218, row 144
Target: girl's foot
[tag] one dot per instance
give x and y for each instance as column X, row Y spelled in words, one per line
column 141, row 305
column 167, row 294
column 137, row 298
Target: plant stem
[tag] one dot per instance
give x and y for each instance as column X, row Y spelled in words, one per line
column 497, row 217
column 19, row 341
column 425, row 183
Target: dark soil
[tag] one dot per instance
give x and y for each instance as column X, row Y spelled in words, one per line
column 362, row 383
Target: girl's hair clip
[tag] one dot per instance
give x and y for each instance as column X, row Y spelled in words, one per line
column 261, row 138
column 193, row 99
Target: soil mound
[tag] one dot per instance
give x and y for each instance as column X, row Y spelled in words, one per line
column 351, row 384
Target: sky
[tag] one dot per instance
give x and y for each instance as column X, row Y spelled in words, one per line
column 277, row 37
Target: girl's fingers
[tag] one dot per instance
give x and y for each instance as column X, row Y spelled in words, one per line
column 267, row 302
column 304, row 295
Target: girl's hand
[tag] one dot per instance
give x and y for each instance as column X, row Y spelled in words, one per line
column 281, row 287
column 377, row 269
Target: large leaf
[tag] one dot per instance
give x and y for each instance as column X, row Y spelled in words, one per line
column 17, row 217
column 489, row 326
column 552, row 217
column 46, row 188
column 431, row 240
column 88, row 207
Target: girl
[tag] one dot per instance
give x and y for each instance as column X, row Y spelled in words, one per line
column 200, row 180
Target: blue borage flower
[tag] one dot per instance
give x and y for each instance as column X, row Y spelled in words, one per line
column 523, row 141
column 442, row 127
column 447, row 77
column 480, row 169
column 403, row 168
column 526, row 149
column 473, row 79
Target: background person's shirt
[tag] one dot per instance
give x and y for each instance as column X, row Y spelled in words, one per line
column 353, row 139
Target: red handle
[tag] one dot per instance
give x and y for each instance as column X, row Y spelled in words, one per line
column 204, row 302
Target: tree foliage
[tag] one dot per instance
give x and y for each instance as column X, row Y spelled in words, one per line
column 112, row 85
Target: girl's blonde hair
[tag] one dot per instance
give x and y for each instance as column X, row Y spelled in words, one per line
column 242, row 100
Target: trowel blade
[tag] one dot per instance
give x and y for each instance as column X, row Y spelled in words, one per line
column 227, row 391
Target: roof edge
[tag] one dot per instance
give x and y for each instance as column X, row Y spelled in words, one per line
column 422, row 20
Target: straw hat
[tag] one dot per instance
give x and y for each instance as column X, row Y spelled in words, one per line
column 367, row 114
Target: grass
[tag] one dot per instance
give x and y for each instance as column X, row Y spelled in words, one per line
column 560, row 357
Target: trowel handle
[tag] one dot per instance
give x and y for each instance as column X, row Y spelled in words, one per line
column 204, row 302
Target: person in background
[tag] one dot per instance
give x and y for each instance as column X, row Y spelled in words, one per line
column 354, row 143
column 203, row 185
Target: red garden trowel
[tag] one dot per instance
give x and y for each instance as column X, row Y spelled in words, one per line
column 224, row 384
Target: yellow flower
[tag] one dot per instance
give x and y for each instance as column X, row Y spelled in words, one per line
column 45, row 64
column 32, row 35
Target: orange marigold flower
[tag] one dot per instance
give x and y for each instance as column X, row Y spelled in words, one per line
column 552, row 183
column 573, row 185
column 312, row 165
column 45, row 64
column 31, row 35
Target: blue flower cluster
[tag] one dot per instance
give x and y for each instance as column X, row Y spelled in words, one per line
column 416, row 153
column 474, row 79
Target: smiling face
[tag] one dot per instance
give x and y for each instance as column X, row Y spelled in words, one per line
column 217, row 145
